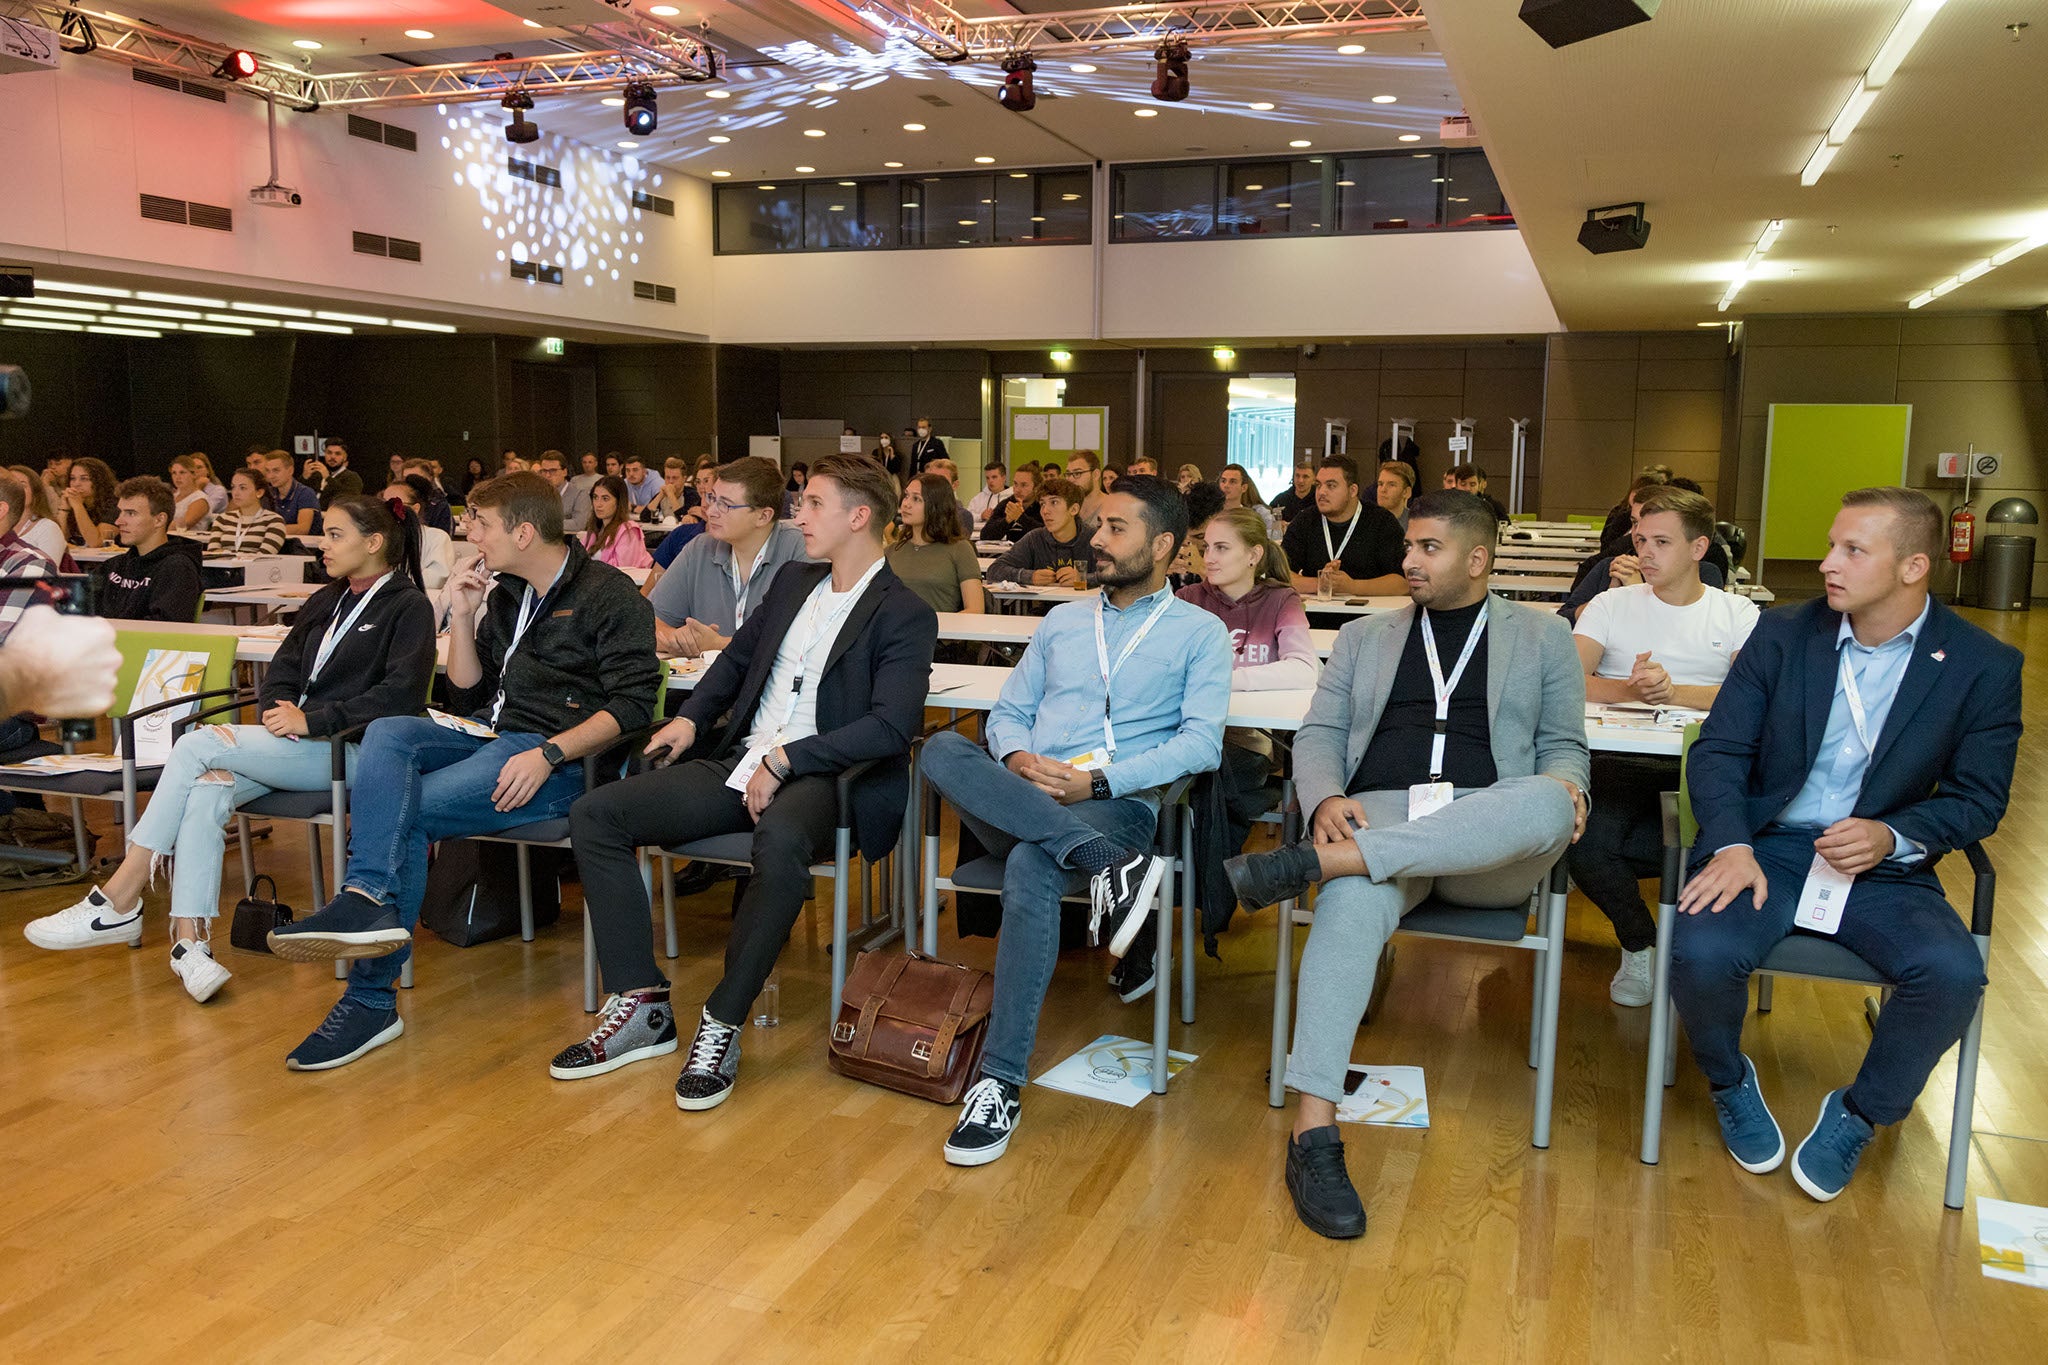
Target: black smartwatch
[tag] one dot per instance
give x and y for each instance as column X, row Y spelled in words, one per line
column 1098, row 785
column 552, row 752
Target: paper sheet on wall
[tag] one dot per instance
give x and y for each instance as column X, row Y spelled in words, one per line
column 1029, row 426
column 1389, row 1095
column 1113, row 1068
column 1061, row 436
column 2012, row 1242
column 166, row 673
column 1087, row 431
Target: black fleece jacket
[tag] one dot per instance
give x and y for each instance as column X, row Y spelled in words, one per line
column 380, row 668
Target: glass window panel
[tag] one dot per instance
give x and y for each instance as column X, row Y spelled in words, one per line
column 1472, row 196
column 757, row 218
column 1155, row 203
column 951, row 210
column 1049, row 206
column 839, row 214
column 1272, row 198
column 1388, row 193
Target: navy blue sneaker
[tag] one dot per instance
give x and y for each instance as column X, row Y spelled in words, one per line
column 1828, row 1156
column 350, row 1029
column 349, row 926
column 1747, row 1126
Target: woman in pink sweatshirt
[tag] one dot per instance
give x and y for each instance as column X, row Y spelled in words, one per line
column 1245, row 584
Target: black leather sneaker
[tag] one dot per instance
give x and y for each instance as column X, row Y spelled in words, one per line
column 349, row 926
column 988, row 1115
column 1324, row 1198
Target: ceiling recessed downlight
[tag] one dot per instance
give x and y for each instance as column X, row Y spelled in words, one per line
column 893, row 165
column 1261, row 105
column 720, row 138
column 420, row 33
column 306, row 44
column 806, row 170
column 1409, row 137
column 1082, row 69
column 532, row 23
column 720, row 175
column 814, row 132
column 664, row 11
column 628, row 145
column 718, row 94
column 1299, row 142
column 829, row 87
column 612, row 102
column 1351, row 50
column 1385, row 99
column 913, row 127
column 1145, row 113
column 984, row 161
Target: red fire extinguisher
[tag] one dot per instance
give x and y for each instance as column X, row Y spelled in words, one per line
column 1962, row 534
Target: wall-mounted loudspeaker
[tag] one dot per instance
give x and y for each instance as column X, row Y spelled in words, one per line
column 1559, row 22
column 1618, row 227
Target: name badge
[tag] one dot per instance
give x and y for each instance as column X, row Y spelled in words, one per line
column 1426, row 798
column 743, row 771
column 1823, row 897
column 1090, row 761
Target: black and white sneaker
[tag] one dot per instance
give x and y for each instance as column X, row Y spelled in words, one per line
column 1135, row 976
column 1122, row 894
column 631, row 1027
column 714, row 1061
column 988, row 1115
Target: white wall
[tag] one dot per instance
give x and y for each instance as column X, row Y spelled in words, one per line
column 85, row 142
column 1408, row 284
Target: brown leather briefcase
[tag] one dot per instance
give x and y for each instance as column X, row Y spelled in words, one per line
column 912, row 1023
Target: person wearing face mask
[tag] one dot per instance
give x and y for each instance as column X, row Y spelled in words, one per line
column 926, row 447
column 360, row 648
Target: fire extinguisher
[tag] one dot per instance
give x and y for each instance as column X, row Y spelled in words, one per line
column 1962, row 534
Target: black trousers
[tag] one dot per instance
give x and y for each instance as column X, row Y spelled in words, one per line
column 1624, row 842
column 675, row 805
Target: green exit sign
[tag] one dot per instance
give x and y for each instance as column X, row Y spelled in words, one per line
column 552, row 345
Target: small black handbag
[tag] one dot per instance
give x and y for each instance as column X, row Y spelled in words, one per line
column 256, row 916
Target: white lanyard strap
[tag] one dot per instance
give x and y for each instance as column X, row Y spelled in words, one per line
column 1350, row 529
column 529, row 608
column 1858, row 717
column 1445, row 686
column 740, row 584
column 1109, row 672
column 338, row 628
column 821, row 626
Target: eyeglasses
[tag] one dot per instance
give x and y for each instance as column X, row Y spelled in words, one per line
column 727, row 505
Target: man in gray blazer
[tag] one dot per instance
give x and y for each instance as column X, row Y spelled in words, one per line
column 554, row 467
column 1445, row 752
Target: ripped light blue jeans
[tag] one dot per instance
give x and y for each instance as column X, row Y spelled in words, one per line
column 212, row 770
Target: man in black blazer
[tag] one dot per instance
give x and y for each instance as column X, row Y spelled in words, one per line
column 1856, row 740
column 831, row 671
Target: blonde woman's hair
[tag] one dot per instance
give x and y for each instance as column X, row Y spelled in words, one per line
column 38, row 495
column 1250, row 528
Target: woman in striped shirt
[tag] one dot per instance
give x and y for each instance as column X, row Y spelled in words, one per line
column 246, row 527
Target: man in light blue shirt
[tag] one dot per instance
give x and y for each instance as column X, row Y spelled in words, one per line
column 642, row 483
column 1116, row 697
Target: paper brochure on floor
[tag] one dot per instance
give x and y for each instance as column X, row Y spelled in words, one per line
column 1112, row 1068
column 1391, row 1096
column 2012, row 1242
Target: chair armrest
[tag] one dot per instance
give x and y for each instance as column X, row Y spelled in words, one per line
column 633, row 742
column 234, row 703
column 1985, row 892
column 1669, row 807
column 126, row 724
column 337, row 750
column 843, row 786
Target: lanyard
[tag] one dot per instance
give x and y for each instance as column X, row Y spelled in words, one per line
column 1108, row 672
column 529, row 608
column 1357, row 516
column 739, row 584
column 1858, row 717
column 821, row 627
column 1444, row 687
column 337, row 630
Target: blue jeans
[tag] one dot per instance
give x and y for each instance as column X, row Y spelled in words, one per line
column 1036, row 836
column 1901, row 925
column 417, row 782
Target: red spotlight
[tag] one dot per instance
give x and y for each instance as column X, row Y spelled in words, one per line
column 1171, row 82
column 1019, row 95
column 236, row 66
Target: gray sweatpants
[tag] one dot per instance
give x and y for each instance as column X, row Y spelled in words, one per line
column 1485, row 850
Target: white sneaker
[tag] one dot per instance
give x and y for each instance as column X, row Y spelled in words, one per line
column 88, row 924
column 192, row 963
column 1632, row 984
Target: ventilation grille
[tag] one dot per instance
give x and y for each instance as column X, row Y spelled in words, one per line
column 539, row 274
column 395, row 248
column 533, row 170
column 659, row 293
column 654, row 203
column 935, row 102
column 390, row 134
column 176, row 86
column 159, row 209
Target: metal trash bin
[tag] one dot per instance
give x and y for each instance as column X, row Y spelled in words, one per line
column 2005, row 578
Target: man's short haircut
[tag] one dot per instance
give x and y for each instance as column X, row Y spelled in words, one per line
column 760, row 476
column 335, row 443
column 861, row 482
column 675, row 462
column 151, row 488
column 993, row 464
column 632, row 459
column 522, row 499
column 557, row 456
column 1465, row 513
column 1087, row 457
column 1066, row 490
column 1695, row 513
column 1399, row 470
column 1203, row 499
column 1166, row 511
column 1918, row 527
column 284, row 455
column 1689, row 485
column 1473, row 472
column 1343, row 464
column 1646, row 481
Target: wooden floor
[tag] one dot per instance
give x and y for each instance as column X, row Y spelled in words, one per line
column 172, row 1192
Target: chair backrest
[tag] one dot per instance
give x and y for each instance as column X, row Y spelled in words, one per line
column 135, row 646
column 1688, row 826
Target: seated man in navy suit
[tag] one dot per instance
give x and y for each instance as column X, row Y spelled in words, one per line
column 1855, row 741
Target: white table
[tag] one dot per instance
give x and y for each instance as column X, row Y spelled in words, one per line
column 1541, row 550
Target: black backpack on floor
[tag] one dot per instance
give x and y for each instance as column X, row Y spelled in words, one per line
column 472, row 891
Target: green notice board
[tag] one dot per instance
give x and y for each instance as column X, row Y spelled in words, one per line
column 1042, row 434
column 1814, row 453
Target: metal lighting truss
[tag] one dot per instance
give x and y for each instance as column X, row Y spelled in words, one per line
column 943, row 33
column 632, row 49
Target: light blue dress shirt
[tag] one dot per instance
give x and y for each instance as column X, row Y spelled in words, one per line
column 1167, row 704
column 1836, row 779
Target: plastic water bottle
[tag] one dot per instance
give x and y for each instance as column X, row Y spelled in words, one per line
column 769, row 1007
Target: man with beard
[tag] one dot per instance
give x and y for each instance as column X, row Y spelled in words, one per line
column 1115, row 698
column 1444, row 753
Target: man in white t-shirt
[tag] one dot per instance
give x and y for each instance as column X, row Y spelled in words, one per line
column 1666, row 641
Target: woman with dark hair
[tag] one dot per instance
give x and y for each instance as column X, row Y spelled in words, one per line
column 615, row 538
column 361, row 648
column 38, row 525
column 245, row 526
column 793, row 492
column 927, row 551
column 473, row 473
column 90, row 506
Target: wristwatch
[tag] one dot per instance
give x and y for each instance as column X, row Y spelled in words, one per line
column 1098, row 786
column 552, row 752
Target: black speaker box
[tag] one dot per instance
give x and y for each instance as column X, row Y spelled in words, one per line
column 1559, row 22
column 1602, row 235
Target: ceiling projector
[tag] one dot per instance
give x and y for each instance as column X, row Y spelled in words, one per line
column 274, row 196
